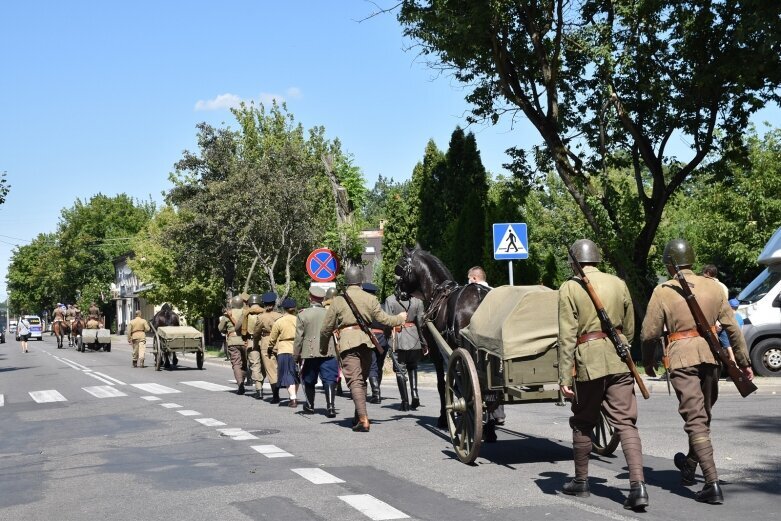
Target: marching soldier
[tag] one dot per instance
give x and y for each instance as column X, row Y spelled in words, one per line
column 354, row 344
column 253, row 343
column 70, row 314
column 330, row 293
column 408, row 344
column 378, row 360
column 92, row 322
column 94, row 310
column 136, row 336
column 306, row 347
column 694, row 372
column 263, row 325
column 280, row 344
column 588, row 362
column 230, row 325
column 58, row 314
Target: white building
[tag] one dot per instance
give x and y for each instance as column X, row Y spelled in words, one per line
column 126, row 291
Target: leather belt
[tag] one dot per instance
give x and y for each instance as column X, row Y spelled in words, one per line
column 404, row 326
column 347, row 328
column 594, row 335
column 687, row 333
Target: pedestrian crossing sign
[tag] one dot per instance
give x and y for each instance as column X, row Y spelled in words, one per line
column 510, row 242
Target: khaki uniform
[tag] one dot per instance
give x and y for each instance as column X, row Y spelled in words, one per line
column 694, row 371
column 59, row 314
column 94, row 311
column 236, row 350
column 92, row 323
column 354, row 345
column 603, row 380
column 308, row 326
column 283, row 332
column 263, row 326
column 136, row 335
column 253, row 347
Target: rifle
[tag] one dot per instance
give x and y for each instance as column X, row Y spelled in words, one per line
column 621, row 349
column 362, row 323
column 745, row 386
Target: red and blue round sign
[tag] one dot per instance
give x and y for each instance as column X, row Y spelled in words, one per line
column 322, row 265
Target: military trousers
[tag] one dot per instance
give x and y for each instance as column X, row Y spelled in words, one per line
column 139, row 348
column 326, row 368
column 269, row 365
column 697, row 389
column 238, row 356
column 256, row 366
column 355, row 367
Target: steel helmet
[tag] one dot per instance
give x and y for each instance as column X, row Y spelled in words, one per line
column 254, row 299
column 585, row 250
column 353, row 275
column 330, row 293
column 678, row 251
column 237, row 302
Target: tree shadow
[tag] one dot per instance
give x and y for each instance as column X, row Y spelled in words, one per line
column 6, row 369
column 770, row 424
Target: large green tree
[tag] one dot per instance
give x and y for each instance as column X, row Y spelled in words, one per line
column 609, row 86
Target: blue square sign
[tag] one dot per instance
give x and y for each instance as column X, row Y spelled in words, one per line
column 510, row 242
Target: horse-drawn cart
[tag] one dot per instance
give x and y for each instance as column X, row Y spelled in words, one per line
column 94, row 339
column 509, row 355
column 170, row 340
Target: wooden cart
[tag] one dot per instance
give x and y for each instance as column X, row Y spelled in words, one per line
column 509, row 355
column 170, row 340
column 94, row 339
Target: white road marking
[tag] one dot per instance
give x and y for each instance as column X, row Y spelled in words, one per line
column 210, row 422
column 155, row 388
column 188, row 412
column 170, row 405
column 2, row 400
column 151, row 398
column 237, row 434
column 68, row 363
column 96, row 377
column 80, row 366
column 120, row 382
column 47, row 396
column 104, row 391
column 271, row 451
column 317, row 476
column 372, row 507
column 208, row 386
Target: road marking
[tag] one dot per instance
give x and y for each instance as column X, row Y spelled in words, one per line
column 237, row 434
column 80, row 366
column 188, row 412
column 96, row 377
column 120, row 382
column 208, row 386
column 210, row 422
column 271, row 451
column 317, row 476
column 156, row 388
column 2, row 400
column 151, row 398
column 104, row 391
column 372, row 507
column 68, row 363
column 170, row 405
column 47, row 396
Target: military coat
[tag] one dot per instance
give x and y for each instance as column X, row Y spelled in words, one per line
column 248, row 324
column 226, row 326
column 92, row 324
column 263, row 326
column 308, row 326
column 408, row 334
column 283, row 332
column 137, row 328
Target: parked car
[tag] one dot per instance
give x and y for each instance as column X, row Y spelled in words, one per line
column 12, row 328
column 2, row 336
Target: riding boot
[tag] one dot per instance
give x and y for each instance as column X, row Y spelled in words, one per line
column 339, row 391
column 362, row 425
column 309, row 392
column 330, row 392
column 141, row 363
column 375, row 385
column 403, row 394
column 135, row 364
column 274, row 394
column 413, row 386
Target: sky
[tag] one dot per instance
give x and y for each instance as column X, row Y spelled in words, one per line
column 103, row 97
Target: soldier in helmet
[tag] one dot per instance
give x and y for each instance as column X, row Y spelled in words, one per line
column 263, row 326
column 330, row 293
column 230, row 325
column 354, row 347
column 253, row 342
column 94, row 310
column 588, row 360
column 694, row 371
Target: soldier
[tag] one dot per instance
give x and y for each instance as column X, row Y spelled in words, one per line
column 408, row 344
column 58, row 314
column 253, row 343
column 262, row 331
column 94, row 310
column 280, row 344
column 306, row 347
column 70, row 314
column 230, row 325
column 588, row 360
column 92, row 322
column 354, row 344
column 694, row 372
column 330, row 293
column 136, row 336
column 378, row 360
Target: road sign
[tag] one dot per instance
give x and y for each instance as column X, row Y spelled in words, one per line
column 322, row 265
column 510, row 242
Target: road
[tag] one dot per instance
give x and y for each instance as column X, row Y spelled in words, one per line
column 87, row 437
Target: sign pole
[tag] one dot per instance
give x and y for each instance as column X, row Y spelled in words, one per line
column 511, row 273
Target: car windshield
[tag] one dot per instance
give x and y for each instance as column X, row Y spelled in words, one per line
column 759, row 287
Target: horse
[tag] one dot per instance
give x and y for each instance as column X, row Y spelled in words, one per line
column 75, row 330
column 448, row 305
column 166, row 317
column 60, row 329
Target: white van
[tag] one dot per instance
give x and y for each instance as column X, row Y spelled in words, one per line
column 760, row 305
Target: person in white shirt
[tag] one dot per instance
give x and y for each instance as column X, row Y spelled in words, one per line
column 476, row 275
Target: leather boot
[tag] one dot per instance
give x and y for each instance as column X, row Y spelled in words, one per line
column 135, row 363
column 577, row 487
column 687, row 468
column 403, row 394
column 241, row 389
column 362, row 425
column 375, row 385
column 638, row 496
column 710, row 493
column 141, row 363
column 274, row 394
column 413, row 387
column 330, row 395
column 309, row 404
column 339, row 391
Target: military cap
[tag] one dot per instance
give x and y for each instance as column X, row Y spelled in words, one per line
column 289, row 303
column 678, row 251
column 585, row 250
column 353, row 275
column 269, row 298
column 317, row 292
column 236, row 302
column 253, row 300
column 368, row 287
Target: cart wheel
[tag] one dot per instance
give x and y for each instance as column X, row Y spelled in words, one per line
column 199, row 359
column 107, row 348
column 464, row 406
column 174, row 360
column 604, row 438
column 158, row 354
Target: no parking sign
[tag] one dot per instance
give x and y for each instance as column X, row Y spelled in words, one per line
column 322, row 265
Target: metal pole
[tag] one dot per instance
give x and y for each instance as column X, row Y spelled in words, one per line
column 511, row 273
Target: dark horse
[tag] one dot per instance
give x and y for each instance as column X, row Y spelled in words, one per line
column 76, row 326
column 166, row 317
column 448, row 305
column 60, row 329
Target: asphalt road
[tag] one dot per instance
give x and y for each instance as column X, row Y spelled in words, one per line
column 87, row 437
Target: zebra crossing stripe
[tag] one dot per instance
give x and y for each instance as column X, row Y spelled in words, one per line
column 317, row 476
column 104, row 391
column 188, row 412
column 2, row 400
column 237, row 434
column 210, row 422
column 151, row 398
column 155, row 388
column 208, row 386
column 372, row 507
column 170, row 405
column 47, row 396
column 271, row 451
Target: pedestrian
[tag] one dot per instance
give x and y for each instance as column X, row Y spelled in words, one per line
column 723, row 336
column 476, row 275
column 306, row 347
column 694, row 371
column 590, row 365
column 712, row 272
column 263, row 326
column 354, row 348
column 280, row 344
column 230, row 326
column 408, row 346
column 378, row 360
column 136, row 337
column 252, row 341
column 23, row 332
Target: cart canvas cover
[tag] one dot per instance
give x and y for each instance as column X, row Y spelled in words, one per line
column 101, row 336
column 515, row 321
column 171, row 332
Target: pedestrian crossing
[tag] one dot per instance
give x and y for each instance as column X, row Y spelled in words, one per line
column 48, row 396
column 104, row 391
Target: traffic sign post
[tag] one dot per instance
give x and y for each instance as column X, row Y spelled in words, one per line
column 510, row 243
column 322, row 265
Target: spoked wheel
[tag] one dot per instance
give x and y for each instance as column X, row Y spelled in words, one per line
column 158, row 354
column 604, row 438
column 199, row 359
column 464, row 406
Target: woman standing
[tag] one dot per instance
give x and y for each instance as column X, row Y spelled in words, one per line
column 281, row 344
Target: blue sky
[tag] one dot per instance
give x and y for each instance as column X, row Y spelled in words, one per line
column 104, row 96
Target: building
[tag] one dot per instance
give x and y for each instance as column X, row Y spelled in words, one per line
column 127, row 293
column 372, row 251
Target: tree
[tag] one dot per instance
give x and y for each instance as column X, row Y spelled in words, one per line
column 35, row 275
column 4, row 187
column 608, row 86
